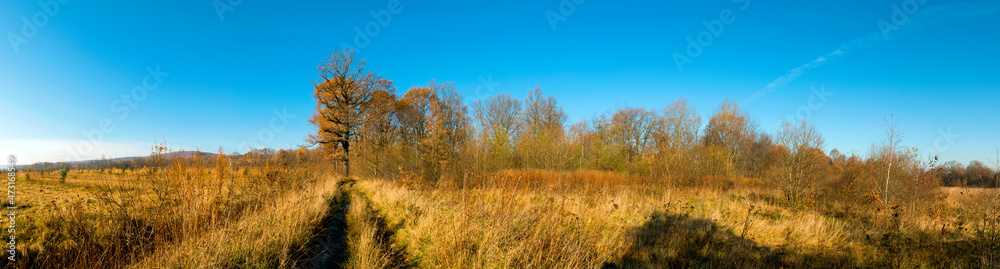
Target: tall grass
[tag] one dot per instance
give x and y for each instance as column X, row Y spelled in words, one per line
column 548, row 219
column 117, row 219
column 367, row 245
column 278, row 235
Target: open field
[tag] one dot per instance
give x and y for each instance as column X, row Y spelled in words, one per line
column 547, row 225
column 513, row 219
column 180, row 212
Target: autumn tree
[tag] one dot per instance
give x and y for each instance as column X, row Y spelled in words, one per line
column 759, row 157
column 541, row 135
column 733, row 133
column 626, row 135
column 413, row 113
column 379, row 131
column 888, row 156
column 675, row 135
column 978, row 174
column 805, row 164
column 952, row 173
column 996, row 173
column 434, row 129
column 343, row 91
column 837, row 158
column 498, row 119
column 448, row 130
column 584, row 147
column 898, row 175
column 605, row 149
column 633, row 130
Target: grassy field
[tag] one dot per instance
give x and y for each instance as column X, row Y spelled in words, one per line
column 182, row 212
column 543, row 219
column 295, row 215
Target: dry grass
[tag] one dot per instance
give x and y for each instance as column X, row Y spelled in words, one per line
column 581, row 180
column 102, row 218
column 265, row 214
column 545, row 219
column 370, row 242
column 276, row 235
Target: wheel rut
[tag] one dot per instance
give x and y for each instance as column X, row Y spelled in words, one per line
column 330, row 247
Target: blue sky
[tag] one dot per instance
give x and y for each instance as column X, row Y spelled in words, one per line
column 245, row 77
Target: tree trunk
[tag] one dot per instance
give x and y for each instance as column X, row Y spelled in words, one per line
column 346, row 145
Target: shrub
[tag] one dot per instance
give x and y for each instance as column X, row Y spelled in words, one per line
column 62, row 174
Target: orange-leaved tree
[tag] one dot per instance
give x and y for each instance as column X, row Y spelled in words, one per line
column 434, row 130
column 379, row 131
column 343, row 91
column 734, row 132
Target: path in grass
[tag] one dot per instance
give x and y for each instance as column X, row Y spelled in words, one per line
column 332, row 247
column 330, row 244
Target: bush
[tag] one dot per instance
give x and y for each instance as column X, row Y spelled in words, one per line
column 62, row 174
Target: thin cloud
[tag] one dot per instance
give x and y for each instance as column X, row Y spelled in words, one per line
column 792, row 75
column 925, row 17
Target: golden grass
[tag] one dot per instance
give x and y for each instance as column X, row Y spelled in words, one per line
column 584, row 180
column 273, row 236
column 267, row 215
column 546, row 219
column 365, row 244
column 102, row 218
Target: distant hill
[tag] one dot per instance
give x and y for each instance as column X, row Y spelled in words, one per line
column 182, row 153
column 190, row 153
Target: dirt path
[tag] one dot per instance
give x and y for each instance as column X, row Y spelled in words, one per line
column 330, row 244
column 331, row 247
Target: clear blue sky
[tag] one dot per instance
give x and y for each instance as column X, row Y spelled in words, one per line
column 938, row 69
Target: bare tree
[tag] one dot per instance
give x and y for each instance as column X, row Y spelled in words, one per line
column 498, row 118
column 889, row 154
column 342, row 92
column 678, row 128
column 541, row 133
column 675, row 134
column 803, row 166
column 632, row 128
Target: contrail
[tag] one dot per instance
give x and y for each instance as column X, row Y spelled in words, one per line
column 916, row 22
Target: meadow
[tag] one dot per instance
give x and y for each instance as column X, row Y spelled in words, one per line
column 256, row 210
column 288, row 210
column 588, row 219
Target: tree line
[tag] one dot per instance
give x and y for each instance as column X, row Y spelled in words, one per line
column 428, row 134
